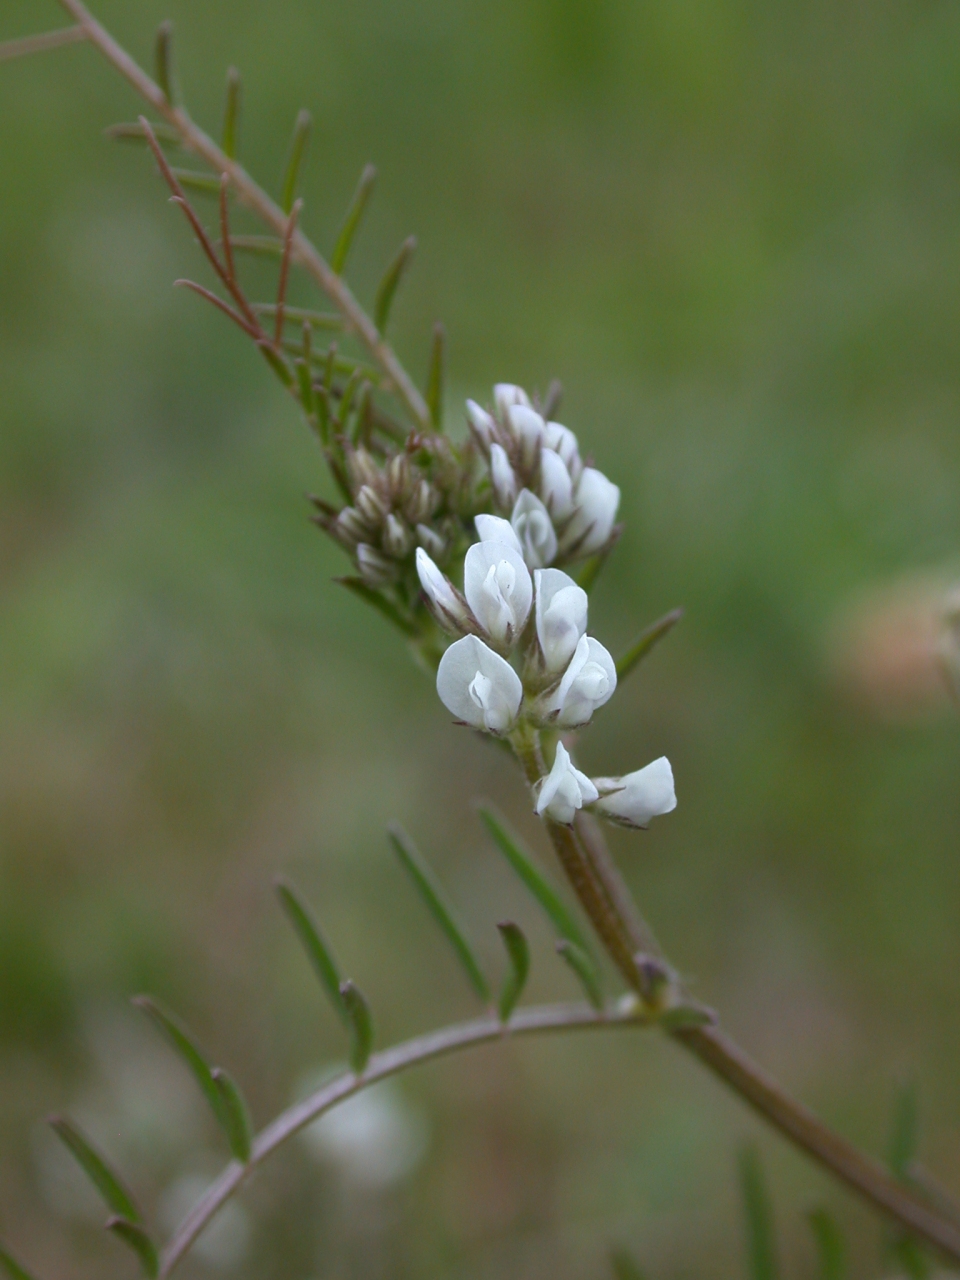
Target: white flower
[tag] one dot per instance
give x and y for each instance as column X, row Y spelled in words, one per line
column 564, row 442
column 528, row 428
column 637, row 797
column 478, row 686
column 501, row 476
column 534, row 529
column 588, row 682
column 564, row 790
column 481, row 423
column 506, row 394
column 556, row 486
column 596, row 499
column 496, row 529
column 444, row 600
column 498, row 588
column 561, row 613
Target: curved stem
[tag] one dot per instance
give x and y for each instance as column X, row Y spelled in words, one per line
column 464, row 1035
column 302, row 250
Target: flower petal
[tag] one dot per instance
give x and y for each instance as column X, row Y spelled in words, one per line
column 637, row 797
column 588, row 682
column 564, row 790
column 534, row 530
column 496, row 529
column 596, row 501
column 498, row 588
column 561, row 613
column 478, row 686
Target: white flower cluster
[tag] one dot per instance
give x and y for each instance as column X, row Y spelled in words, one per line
column 560, row 677
column 558, row 508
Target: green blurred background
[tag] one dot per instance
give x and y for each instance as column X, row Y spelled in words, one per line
column 733, row 231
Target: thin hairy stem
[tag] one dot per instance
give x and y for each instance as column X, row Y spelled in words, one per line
column 251, row 194
column 41, row 43
column 464, row 1035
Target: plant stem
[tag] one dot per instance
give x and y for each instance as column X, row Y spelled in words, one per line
column 250, row 193
column 531, row 1021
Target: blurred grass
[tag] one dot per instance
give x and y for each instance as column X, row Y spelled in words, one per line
column 732, row 230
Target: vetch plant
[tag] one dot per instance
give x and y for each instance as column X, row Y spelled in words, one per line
column 481, row 554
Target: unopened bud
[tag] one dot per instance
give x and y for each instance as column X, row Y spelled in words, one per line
column 375, row 569
column 430, row 540
column 398, row 477
column 528, row 430
column 562, row 440
column 422, row 502
column 481, row 424
column 363, row 469
column 502, row 478
column 397, row 538
column 370, row 506
column 446, row 603
column 350, row 527
column 506, row 394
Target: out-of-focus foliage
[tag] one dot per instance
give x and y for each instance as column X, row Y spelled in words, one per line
column 733, row 230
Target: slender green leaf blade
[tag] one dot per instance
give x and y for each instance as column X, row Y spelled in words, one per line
column 354, row 216
column 360, row 1024
column 386, row 290
column 624, row 1265
column 12, row 1268
column 435, row 377
column 259, row 246
column 196, row 180
column 687, row 1015
column 437, row 903
column 313, row 942
column 645, row 641
column 137, row 1239
column 904, row 1134
column 531, row 875
column 518, row 955
column 231, row 114
column 301, row 132
column 180, row 1039
column 163, row 61
column 133, row 131
column 584, row 968
column 235, row 1113
column 758, row 1217
column 831, row 1246
column 95, row 1166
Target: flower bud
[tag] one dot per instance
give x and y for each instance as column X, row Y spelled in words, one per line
column 596, row 501
column 556, row 486
column 397, row 538
column 375, row 569
column 350, row 527
column 398, row 477
column 502, row 477
column 362, row 468
column 478, row 686
column 370, row 506
column 422, row 502
column 588, row 682
column 631, row 801
column 506, row 394
column 561, row 614
column 481, row 424
column 497, row 585
column 534, row 529
column 496, row 529
column 564, row 442
column 446, row 603
column 564, row 790
column 430, row 540
column 527, row 427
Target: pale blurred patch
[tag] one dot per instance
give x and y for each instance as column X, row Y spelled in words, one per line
column 376, row 1138
column 226, row 1241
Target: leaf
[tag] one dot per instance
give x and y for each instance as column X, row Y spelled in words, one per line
column 360, row 1023
column 905, row 1133
column 584, row 968
column 195, row 180
column 435, row 377
column 534, row 879
column 389, row 610
column 687, row 1015
column 353, row 218
column 910, row 1255
column 518, row 954
column 261, row 246
column 163, row 61
column 298, row 145
column 437, row 903
column 137, row 1239
column 95, row 1166
column 12, row 1267
column 624, row 1265
column 235, row 1113
column 317, row 319
column 231, row 114
column 391, row 279
column 646, row 640
column 313, row 942
column 134, row 132
column 831, row 1246
column 180, row 1039
column 758, row 1217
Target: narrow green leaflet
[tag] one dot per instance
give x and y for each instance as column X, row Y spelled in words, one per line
column 235, row 1113
column 435, row 377
column 518, row 955
column 301, row 132
column 137, row 1239
column 134, row 132
column 260, row 246
column 95, row 1166
column 758, row 1217
column 645, row 641
column 831, row 1246
column 391, row 279
column 312, row 941
column 231, row 114
column 531, row 875
column 624, row 1265
column 431, row 891
column 687, row 1015
column 360, row 1023
column 163, row 62
column 584, row 968
column 354, row 216
column 12, row 1268
column 195, row 180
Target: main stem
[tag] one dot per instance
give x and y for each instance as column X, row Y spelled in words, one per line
column 594, row 877
column 253, row 195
